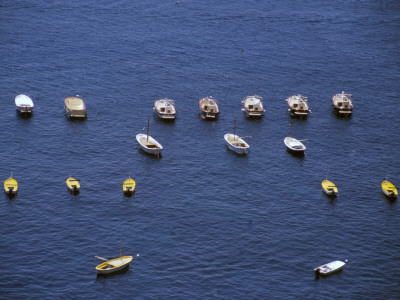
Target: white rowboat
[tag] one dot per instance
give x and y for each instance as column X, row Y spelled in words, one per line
column 330, row 268
column 294, row 145
column 114, row 265
column 149, row 144
column 236, row 143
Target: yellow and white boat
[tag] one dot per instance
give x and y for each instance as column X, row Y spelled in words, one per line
column 11, row 186
column 329, row 188
column 129, row 186
column 73, row 184
column 114, row 265
column 389, row 189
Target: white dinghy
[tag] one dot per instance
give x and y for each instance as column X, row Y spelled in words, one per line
column 24, row 104
column 236, row 143
column 147, row 143
column 330, row 268
column 294, row 145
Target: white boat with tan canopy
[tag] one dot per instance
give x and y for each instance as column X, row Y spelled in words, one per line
column 75, row 107
column 343, row 104
column 209, row 108
column 253, row 106
column 298, row 105
column 165, row 108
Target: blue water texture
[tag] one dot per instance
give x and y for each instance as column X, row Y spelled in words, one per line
column 207, row 223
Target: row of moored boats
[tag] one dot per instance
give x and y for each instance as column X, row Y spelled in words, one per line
column 129, row 185
column 388, row 189
column 165, row 108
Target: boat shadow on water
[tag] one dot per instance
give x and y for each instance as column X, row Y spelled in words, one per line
column 298, row 154
column 154, row 157
column 331, row 198
column 24, row 115
column 323, row 276
column 129, row 194
column 76, row 120
column 74, row 193
column 11, row 196
column 101, row 277
column 390, row 200
column 340, row 116
column 235, row 154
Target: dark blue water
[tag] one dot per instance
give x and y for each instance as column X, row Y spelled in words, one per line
column 207, row 223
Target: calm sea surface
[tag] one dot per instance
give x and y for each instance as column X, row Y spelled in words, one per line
column 207, row 223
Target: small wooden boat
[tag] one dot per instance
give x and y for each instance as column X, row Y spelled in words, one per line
column 165, row 108
column 389, row 189
column 330, row 268
column 236, row 143
column 129, row 186
column 209, row 108
column 75, row 107
column 293, row 145
column 114, row 265
column 10, row 186
column 253, row 106
column 298, row 105
column 147, row 143
column 73, row 184
column 343, row 104
column 24, row 104
column 329, row 188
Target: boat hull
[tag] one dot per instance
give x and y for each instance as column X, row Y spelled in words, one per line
column 209, row 108
column 389, row 190
column 11, row 186
column 236, row 144
column 165, row 109
column 24, row 104
column 330, row 268
column 73, row 185
column 329, row 188
column 114, row 265
column 148, row 144
column 252, row 114
column 294, row 146
column 165, row 116
column 129, row 186
column 75, row 107
column 253, row 106
column 342, row 104
column 298, row 106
